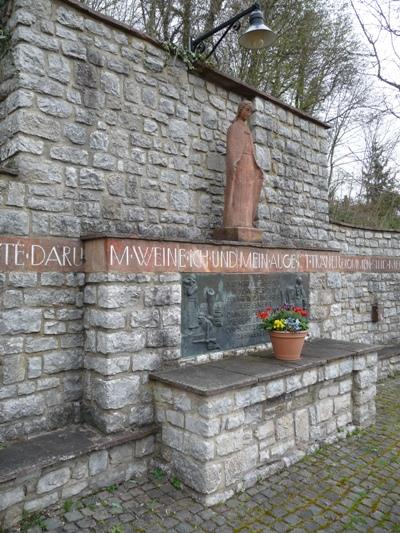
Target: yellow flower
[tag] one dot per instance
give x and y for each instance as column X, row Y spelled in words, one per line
column 279, row 324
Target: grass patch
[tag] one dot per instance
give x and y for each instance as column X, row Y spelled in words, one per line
column 118, row 529
column 176, row 483
column 30, row 520
column 111, row 488
column 356, row 433
column 67, row 506
column 158, row 474
column 381, row 214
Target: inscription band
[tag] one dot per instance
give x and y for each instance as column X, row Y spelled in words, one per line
column 40, row 254
column 136, row 255
column 131, row 255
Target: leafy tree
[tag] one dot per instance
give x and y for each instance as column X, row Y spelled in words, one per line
column 314, row 55
column 379, row 181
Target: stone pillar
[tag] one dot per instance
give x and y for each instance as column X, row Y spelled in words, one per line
column 191, row 431
column 132, row 323
column 364, row 389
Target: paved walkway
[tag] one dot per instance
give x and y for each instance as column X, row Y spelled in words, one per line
column 350, row 486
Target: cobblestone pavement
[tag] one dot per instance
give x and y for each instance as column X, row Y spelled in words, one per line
column 350, row 486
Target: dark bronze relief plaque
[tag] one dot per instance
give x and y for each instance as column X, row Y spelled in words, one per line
column 219, row 310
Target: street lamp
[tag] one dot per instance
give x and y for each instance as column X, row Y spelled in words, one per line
column 257, row 35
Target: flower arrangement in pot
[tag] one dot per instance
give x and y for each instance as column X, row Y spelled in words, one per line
column 288, row 327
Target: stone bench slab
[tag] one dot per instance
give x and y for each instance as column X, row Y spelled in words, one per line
column 204, row 379
column 389, row 351
column 238, row 372
column 20, row 458
column 388, row 361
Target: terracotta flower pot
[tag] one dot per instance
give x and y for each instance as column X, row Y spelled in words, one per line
column 287, row 345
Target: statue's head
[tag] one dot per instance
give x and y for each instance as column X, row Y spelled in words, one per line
column 245, row 109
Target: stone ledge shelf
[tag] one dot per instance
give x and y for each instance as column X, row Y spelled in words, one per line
column 228, row 423
column 49, row 468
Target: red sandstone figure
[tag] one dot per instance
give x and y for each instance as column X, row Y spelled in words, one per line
column 244, row 177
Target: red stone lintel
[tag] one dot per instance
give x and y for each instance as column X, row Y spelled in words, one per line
column 135, row 255
column 45, row 254
column 49, row 254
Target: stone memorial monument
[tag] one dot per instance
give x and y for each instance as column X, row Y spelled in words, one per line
column 244, row 179
column 110, row 154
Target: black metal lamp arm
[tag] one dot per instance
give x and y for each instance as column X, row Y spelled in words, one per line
column 194, row 43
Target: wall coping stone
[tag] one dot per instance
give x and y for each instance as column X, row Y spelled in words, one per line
column 360, row 226
column 389, row 351
column 20, row 458
column 203, row 71
column 228, row 374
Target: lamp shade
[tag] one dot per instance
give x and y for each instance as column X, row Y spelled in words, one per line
column 257, row 35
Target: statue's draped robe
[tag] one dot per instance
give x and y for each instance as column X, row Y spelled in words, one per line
column 243, row 177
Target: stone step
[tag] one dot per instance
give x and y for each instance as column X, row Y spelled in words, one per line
column 46, row 469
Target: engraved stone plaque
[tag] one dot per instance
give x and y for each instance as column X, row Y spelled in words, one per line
column 219, row 310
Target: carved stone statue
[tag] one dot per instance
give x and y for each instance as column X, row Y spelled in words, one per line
column 244, row 177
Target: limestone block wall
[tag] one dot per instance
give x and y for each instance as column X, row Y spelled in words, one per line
column 43, row 485
column 353, row 240
column 341, row 306
column 132, row 327
column 41, row 351
column 14, row 219
column 10, row 98
column 389, row 366
column 112, row 134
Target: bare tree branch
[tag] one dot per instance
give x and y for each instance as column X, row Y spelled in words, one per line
column 383, row 24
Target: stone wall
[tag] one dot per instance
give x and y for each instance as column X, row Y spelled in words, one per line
column 353, row 240
column 10, row 98
column 109, row 133
column 41, row 349
column 221, row 443
column 114, row 135
column 389, row 362
column 341, row 306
